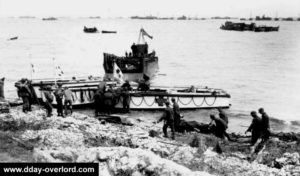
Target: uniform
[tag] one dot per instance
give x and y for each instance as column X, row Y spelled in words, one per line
column 176, row 110
column 168, row 118
column 265, row 126
column 59, row 92
column 68, row 101
column 48, row 99
column 255, row 129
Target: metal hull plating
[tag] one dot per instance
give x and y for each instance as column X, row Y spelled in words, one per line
column 184, row 101
column 204, row 98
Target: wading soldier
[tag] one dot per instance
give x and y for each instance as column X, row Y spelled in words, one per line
column 255, row 128
column 168, row 118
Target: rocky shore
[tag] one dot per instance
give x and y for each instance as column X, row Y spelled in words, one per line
column 127, row 149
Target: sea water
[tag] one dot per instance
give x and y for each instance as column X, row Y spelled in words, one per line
column 256, row 69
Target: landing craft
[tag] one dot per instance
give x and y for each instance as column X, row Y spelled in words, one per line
column 135, row 66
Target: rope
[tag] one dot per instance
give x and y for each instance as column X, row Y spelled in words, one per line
column 184, row 103
column 200, row 103
column 135, row 103
column 212, row 103
column 147, row 103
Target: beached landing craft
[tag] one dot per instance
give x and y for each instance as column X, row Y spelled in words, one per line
column 153, row 99
column 134, row 66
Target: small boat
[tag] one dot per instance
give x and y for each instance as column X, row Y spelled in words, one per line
column 90, row 30
column 108, row 32
column 83, row 91
column 13, row 38
column 134, row 65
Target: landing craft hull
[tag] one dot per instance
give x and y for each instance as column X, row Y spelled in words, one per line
column 204, row 98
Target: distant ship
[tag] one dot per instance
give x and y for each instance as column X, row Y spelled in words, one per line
column 49, row 19
column 263, row 18
column 150, row 17
column 247, row 27
column 238, row 26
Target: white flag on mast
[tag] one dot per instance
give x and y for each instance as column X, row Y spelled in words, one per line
column 58, row 70
column 117, row 74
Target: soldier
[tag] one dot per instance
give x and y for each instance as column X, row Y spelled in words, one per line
column 224, row 117
column 25, row 93
column 126, row 87
column 59, row 93
column 168, row 118
column 97, row 101
column 48, row 99
column 221, row 126
column 177, row 116
column 255, row 128
column 1, row 88
column 265, row 124
column 108, row 100
column 68, row 100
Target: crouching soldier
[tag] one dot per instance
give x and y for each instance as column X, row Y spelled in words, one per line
column 168, row 118
column 220, row 128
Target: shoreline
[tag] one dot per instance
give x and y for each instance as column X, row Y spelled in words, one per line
column 123, row 149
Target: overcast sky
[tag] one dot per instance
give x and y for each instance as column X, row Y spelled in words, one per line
column 126, row 8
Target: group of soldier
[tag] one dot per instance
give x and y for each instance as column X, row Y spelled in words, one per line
column 260, row 127
column 27, row 95
column 105, row 98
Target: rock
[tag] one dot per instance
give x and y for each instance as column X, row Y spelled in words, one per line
column 123, row 161
column 153, row 133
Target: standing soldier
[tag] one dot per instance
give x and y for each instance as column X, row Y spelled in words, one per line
column 177, row 117
column 59, row 93
column 255, row 128
column 108, row 100
column 2, row 88
column 265, row 124
column 25, row 93
column 48, row 99
column 126, row 87
column 168, row 118
column 68, row 100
